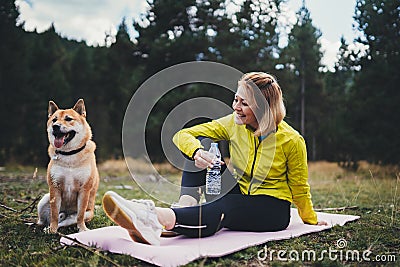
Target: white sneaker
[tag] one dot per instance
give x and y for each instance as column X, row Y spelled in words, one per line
column 137, row 216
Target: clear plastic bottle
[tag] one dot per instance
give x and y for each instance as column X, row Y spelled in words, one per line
column 213, row 177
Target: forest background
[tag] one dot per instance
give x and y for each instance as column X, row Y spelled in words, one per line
column 348, row 114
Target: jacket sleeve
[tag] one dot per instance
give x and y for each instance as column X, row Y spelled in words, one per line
column 297, row 175
column 186, row 139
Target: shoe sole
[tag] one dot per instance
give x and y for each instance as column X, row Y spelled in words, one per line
column 117, row 215
column 167, row 233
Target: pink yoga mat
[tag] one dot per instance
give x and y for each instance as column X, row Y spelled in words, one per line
column 180, row 250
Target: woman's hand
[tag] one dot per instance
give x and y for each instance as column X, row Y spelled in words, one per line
column 204, row 159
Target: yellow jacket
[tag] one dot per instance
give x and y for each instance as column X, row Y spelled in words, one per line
column 275, row 166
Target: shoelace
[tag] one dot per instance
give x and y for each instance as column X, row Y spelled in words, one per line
column 150, row 210
column 147, row 202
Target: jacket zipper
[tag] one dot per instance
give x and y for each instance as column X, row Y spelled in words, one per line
column 252, row 166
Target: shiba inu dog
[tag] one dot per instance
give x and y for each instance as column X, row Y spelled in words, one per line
column 72, row 174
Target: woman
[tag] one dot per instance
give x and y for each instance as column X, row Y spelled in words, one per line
column 268, row 161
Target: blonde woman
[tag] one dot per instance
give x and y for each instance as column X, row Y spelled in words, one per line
column 267, row 172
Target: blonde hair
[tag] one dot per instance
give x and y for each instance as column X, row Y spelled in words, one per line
column 266, row 95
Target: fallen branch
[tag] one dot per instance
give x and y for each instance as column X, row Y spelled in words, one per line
column 21, row 201
column 32, row 205
column 338, row 209
column 88, row 248
column 8, row 208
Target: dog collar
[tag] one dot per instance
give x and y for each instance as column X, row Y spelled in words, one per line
column 69, row 153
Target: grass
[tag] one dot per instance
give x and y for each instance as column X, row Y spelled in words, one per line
column 372, row 191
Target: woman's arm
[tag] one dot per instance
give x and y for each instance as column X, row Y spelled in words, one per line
column 297, row 174
column 186, row 139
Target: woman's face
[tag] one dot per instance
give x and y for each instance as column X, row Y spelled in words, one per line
column 244, row 114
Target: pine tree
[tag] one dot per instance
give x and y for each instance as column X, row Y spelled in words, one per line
column 338, row 139
column 302, row 58
column 13, row 76
column 123, row 70
column 246, row 39
column 165, row 35
column 375, row 94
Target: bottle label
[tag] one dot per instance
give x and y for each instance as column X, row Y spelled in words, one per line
column 213, row 179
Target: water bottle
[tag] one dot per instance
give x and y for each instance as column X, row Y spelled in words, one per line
column 213, row 177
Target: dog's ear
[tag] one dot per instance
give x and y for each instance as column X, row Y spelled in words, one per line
column 80, row 107
column 52, row 108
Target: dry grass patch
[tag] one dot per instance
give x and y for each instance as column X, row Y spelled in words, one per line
column 119, row 167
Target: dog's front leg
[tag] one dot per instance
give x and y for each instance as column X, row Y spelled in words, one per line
column 55, row 205
column 83, row 198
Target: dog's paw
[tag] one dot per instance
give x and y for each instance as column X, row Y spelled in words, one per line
column 52, row 229
column 46, row 230
column 83, row 228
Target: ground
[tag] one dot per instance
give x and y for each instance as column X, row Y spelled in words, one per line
column 372, row 192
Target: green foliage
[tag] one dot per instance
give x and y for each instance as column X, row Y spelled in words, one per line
column 251, row 33
column 302, row 60
column 338, row 139
column 166, row 35
column 346, row 112
column 375, row 92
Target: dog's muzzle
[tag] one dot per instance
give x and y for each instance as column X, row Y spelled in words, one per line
column 62, row 138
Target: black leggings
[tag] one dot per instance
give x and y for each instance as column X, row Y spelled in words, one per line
column 233, row 210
